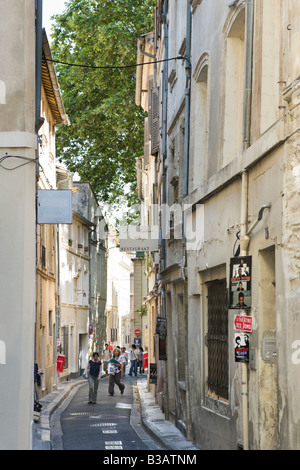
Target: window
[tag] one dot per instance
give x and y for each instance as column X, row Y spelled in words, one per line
column 270, row 64
column 201, row 130
column 234, row 87
column 50, row 322
column 217, row 339
column 43, row 256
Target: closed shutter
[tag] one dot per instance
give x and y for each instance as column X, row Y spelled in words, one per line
column 146, row 143
column 155, row 130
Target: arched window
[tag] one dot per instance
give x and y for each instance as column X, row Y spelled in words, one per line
column 201, row 121
column 234, row 85
column 270, row 64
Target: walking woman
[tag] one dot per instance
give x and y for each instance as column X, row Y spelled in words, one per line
column 93, row 372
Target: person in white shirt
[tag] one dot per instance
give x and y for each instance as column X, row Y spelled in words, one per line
column 134, row 354
column 106, row 356
column 123, row 359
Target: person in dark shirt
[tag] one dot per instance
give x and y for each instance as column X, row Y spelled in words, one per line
column 93, row 372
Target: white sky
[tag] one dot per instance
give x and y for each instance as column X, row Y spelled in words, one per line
column 51, row 7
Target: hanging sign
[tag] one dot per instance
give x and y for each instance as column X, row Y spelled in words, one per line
column 240, row 283
column 54, row 206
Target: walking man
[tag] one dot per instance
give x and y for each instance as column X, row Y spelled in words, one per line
column 106, row 356
column 133, row 360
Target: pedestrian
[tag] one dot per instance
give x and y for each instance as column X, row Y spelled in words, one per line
column 133, row 360
column 106, row 356
column 93, row 373
column 123, row 359
column 140, row 364
column 114, row 372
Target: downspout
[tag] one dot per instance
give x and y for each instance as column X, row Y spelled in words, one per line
column 187, row 101
column 38, row 119
column 38, row 64
column 164, row 188
column 152, row 56
column 185, row 192
column 164, row 132
column 244, row 239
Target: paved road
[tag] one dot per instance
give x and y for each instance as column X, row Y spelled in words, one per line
column 111, row 424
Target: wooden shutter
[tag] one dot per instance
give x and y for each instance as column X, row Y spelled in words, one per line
column 155, row 131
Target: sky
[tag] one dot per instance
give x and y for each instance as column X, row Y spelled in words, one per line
column 51, row 7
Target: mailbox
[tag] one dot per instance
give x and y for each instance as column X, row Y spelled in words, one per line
column 269, row 349
column 60, row 362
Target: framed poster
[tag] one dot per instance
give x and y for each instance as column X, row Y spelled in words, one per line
column 240, row 282
column 161, row 331
column 241, row 347
column 153, row 373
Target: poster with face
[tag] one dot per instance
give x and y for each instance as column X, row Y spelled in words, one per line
column 240, row 283
column 241, row 347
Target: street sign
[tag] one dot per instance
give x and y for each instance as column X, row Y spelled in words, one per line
column 243, row 323
column 137, row 332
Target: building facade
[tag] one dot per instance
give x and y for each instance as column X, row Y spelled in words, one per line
column 226, row 168
column 53, row 114
column 18, row 154
column 118, row 308
column 82, row 279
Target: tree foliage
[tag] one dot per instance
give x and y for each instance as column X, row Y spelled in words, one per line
column 106, row 132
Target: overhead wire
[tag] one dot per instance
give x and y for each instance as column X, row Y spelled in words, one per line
column 114, row 66
column 27, row 160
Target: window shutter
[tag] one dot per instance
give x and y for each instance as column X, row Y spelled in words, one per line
column 155, row 131
column 146, row 143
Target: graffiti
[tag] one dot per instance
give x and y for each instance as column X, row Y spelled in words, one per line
column 2, row 352
column 296, row 354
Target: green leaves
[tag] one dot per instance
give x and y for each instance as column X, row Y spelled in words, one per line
column 106, row 132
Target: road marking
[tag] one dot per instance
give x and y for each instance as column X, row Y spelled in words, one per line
column 79, row 414
column 109, row 431
column 123, row 405
column 107, row 424
column 114, row 447
column 113, row 443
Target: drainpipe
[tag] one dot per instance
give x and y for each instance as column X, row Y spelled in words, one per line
column 164, row 182
column 244, row 238
column 38, row 64
column 185, row 193
column 152, row 56
column 164, row 133
column 187, row 101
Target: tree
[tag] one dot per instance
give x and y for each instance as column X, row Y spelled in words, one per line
column 106, row 132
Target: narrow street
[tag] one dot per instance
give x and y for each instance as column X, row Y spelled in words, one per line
column 111, row 424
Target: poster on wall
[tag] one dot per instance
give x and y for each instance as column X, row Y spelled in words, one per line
column 241, row 347
column 240, row 282
column 153, row 373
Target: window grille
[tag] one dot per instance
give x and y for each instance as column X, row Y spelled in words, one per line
column 43, row 256
column 217, row 339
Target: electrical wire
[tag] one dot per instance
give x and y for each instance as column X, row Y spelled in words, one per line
column 27, row 160
column 113, row 66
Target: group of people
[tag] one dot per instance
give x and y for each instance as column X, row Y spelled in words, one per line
column 114, row 366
